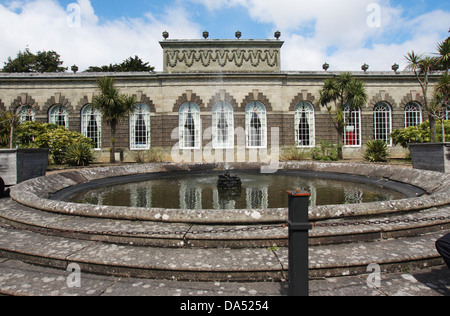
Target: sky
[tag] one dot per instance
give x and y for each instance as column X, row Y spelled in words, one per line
column 345, row 33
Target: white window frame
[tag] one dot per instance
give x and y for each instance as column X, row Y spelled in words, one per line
column 27, row 114
column 57, row 112
column 354, row 126
column 413, row 114
column 140, row 110
column 86, row 115
column 305, row 110
column 223, row 111
column 383, row 122
column 256, row 109
column 190, row 109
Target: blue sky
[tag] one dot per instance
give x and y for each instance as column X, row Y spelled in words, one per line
column 344, row 33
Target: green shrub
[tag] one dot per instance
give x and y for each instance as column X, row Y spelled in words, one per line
column 80, row 154
column 419, row 134
column 293, row 153
column 54, row 137
column 327, row 151
column 376, row 151
column 153, row 155
column 138, row 156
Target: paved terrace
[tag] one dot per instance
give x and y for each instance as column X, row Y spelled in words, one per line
column 125, row 255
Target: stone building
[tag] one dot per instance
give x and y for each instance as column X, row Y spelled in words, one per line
column 217, row 95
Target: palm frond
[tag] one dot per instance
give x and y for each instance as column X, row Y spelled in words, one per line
column 413, row 61
column 443, row 50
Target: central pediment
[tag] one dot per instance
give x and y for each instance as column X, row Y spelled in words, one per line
column 221, row 55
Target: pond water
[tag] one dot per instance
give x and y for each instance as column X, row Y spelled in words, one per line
column 259, row 191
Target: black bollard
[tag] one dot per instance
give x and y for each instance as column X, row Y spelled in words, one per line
column 299, row 227
column 2, row 188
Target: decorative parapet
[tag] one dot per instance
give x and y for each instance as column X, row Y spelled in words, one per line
column 221, row 55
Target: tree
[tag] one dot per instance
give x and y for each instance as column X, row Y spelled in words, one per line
column 441, row 101
column 128, row 65
column 110, row 68
column 24, row 62
column 9, row 121
column 27, row 62
column 113, row 106
column 422, row 67
column 443, row 58
column 49, row 62
column 343, row 91
column 135, row 64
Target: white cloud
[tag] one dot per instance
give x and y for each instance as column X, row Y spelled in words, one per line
column 343, row 33
column 46, row 25
column 212, row 5
column 314, row 32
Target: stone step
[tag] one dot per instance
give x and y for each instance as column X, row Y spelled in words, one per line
column 158, row 234
column 146, row 233
column 22, row 279
column 214, row 264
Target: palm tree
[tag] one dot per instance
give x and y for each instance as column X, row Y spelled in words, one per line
column 443, row 49
column 441, row 100
column 113, row 106
column 443, row 88
column 422, row 67
column 343, row 91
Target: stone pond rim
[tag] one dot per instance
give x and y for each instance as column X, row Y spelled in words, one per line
column 36, row 193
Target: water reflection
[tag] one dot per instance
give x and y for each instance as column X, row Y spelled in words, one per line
column 258, row 192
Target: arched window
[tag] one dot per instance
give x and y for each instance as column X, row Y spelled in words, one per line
column 140, row 127
column 352, row 132
column 190, row 126
column 383, row 122
column 91, row 125
column 59, row 115
column 27, row 114
column 222, row 126
column 413, row 114
column 256, row 125
column 304, row 125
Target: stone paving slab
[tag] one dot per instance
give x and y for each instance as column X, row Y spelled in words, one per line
column 364, row 254
column 18, row 278
column 51, row 250
column 171, row 261
column 179, row 235
column 21, row 214
column 141, row 261
column 212, row 263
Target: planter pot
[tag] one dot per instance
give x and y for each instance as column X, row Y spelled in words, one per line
column 18, row 165
column 431, row 156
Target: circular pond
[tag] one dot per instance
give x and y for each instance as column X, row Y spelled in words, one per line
column 199, row 190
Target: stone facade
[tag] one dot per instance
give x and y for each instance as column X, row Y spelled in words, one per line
column 185, row 80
